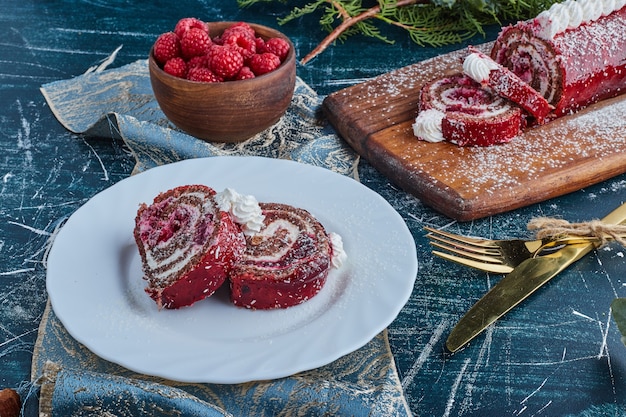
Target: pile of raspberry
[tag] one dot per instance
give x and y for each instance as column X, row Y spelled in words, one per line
column 237, row 54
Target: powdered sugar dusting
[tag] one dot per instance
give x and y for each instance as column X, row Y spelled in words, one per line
column 595, row 135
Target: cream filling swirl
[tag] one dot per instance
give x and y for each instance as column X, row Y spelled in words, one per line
column 427, row 125
column 339, row 254
column 478, row 68
column 245, row 210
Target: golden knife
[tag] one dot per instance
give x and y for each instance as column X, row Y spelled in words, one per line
column 515, row 287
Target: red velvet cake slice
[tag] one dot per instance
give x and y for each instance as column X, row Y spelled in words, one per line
column 574, row 53
column 484, row 70
column 187, row 245
column 284, row 264
column 470, row 115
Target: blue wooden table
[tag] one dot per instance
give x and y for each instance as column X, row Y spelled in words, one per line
column 558, row 354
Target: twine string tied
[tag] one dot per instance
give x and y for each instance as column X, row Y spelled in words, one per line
column 552, row 228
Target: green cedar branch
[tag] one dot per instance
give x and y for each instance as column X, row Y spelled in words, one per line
column 428, row 22
column 349, row 21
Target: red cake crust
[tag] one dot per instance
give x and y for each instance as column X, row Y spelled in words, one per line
column 473, row 115
column 576, row 68
column 186, row 244
column 285, row 264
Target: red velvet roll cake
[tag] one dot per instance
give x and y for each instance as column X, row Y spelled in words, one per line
column 574, row 53
column 458, row 109
column 187, row 245
column 284, row 264
column 484, row 70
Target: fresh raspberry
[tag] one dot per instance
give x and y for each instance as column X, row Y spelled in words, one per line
column 187, row 23
column 264, row 63
column 240, row 41
column 245, row 73
column 278, row 46
column 202, row 74
column 198, row 61
column 240, row 26
column 224, row 61
column 260, row 45
column 212, row 50
column 166, row 47
column 195, row 42
column 176, row 67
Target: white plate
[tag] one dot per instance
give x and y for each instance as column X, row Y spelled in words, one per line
column 96, row 288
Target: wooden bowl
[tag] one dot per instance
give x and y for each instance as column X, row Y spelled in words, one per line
column 230, row 111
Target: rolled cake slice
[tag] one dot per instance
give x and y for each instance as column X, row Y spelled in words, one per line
column 484, row 70
column 284, row 264
column 186, row 244
column 573, row 54
column 469, row 114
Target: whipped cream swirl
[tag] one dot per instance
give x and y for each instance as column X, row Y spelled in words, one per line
column 427, row 125
column 339, row 254
column 572, row 13
column 478, row 67
column 245, row 210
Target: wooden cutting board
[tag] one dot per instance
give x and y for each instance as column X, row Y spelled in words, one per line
column 376, row 117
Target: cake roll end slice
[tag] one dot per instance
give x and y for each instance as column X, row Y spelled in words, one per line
column 186, row 244
column 284, row 264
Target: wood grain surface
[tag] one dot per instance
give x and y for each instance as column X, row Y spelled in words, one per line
column 467, row 183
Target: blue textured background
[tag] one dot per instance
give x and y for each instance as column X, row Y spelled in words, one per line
column 558, row 354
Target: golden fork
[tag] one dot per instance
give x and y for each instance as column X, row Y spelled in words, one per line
column 497, row 256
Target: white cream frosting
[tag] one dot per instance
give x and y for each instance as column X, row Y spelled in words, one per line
column 478, row 67
column 339, row 254
column 572, row 13
column 245, row 209
column 427, row 125
column 575, row 13
column 591, row 11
